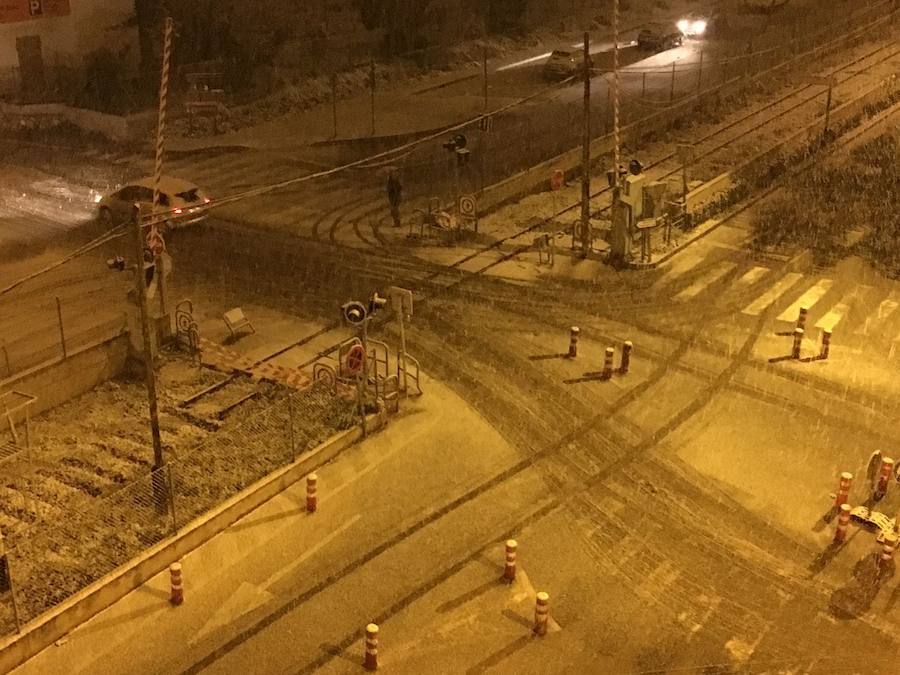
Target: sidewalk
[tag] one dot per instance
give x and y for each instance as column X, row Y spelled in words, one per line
column 290, row 583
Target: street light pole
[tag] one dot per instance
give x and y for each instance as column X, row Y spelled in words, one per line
column 586, row 153
column 159, row 488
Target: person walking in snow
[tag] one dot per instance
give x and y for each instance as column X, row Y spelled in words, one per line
column 395, row 195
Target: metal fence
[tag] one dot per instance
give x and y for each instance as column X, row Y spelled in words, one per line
column 48, row 332
column 52, row 560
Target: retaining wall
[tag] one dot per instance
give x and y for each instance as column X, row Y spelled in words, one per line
column 58, row 381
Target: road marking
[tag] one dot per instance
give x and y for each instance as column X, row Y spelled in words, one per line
column 808, row 299
column 756, row 307
column 750, row 277
column 840, row 310
column 683, row 263
column 308, row 553
column 882, row 314
column 706, row 280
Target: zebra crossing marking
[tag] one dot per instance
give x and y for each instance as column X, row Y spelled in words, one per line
column 885, row 308
column 706, row 280
column 837, row 313
column 681, row 264
column 756, row 307
column 808, row 299
column 750, row 277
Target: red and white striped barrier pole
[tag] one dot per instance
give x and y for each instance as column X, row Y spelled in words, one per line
column 312, row 497
column 573, row 341
column 371, row 660
column 798, row 342
column 626, row 357
column 541, row 613
column 177, row 595
column 801, row 318
column 509, row 572
column 160, row 146
column 843, row 489
column 608, row 363
column 826, row 344
column 884, row 477
column 840, row 532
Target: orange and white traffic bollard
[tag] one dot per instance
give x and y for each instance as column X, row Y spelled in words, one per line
column 573, row 341
column 509, row 572
column 608, row 363
column 887, row 550
column 801, row 318
column 312, row 497
column 626, row 357
column 798, row 342
column 826, row 344
column 177, row 596
column 541, row 613
column 843, row 489
column 371, row 659
column 840, row 532
column 884, row 477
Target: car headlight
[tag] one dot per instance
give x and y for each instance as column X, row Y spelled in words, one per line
column 698, row 27
column 684, row 25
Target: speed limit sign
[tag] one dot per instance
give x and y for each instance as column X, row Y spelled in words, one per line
column 467, row 206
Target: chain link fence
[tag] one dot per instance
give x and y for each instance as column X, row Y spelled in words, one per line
column 53, row 560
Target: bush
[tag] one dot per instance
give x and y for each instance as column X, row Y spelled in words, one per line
column 106, row 83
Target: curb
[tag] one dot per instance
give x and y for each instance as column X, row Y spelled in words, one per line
column 44, row 630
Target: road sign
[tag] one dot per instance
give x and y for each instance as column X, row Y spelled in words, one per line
column 467, row 206
column 355, row 359
column 401, row 300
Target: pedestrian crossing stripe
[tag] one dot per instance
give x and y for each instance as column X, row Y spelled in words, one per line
column 750, row 277
column 713, row 275
column 781, row 286
column 833, row 317
column 808, row 299
column 880, row 316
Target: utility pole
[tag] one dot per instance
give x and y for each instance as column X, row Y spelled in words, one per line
column 334, row 105
column 159, row 485
column 586, row 154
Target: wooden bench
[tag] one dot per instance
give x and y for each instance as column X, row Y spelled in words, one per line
column 235, row 320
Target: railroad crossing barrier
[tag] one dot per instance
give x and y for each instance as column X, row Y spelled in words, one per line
column 371, row 659
column 840, row 532
column 843, row 489
column 573, row 341
column 608, row 363
column 177, row 595
column 312, row 498
column 626, row 357
column 541, row 613
column 509, row 573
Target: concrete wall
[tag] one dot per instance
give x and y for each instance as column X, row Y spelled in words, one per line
column 66, row 39
column 56, row 382
column 47, row 628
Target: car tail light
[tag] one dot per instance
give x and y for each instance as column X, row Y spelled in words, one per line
column 178, row 211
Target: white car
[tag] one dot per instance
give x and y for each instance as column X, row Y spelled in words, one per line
column 180, row 197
